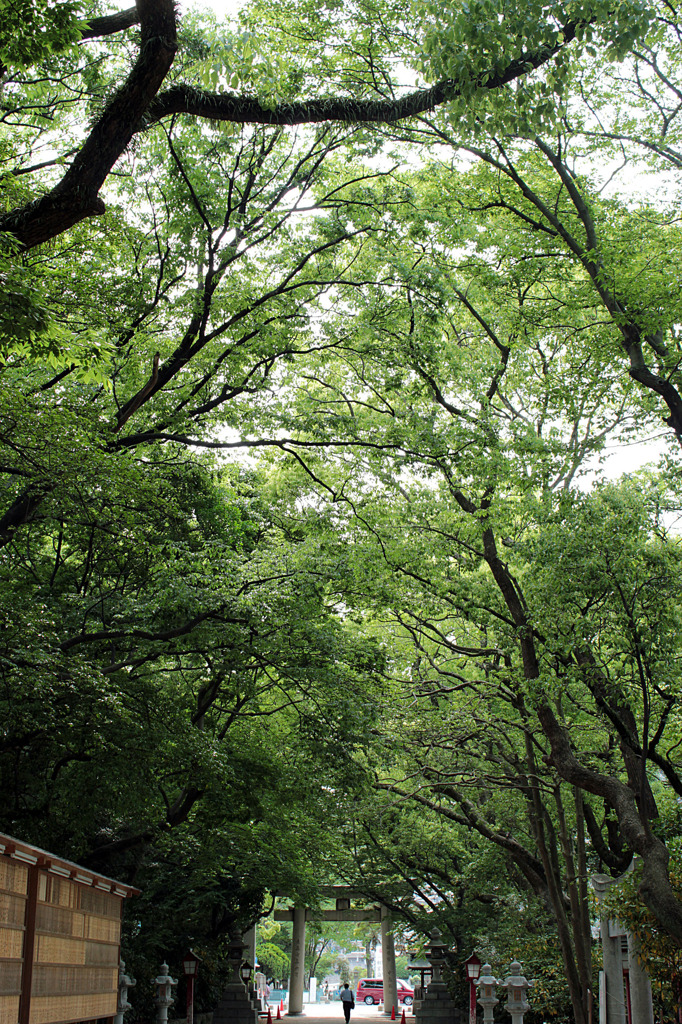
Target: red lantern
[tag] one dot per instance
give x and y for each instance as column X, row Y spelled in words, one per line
column 473, row 967
column 190, row 966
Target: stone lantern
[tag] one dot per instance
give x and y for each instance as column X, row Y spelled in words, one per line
column 437, row 1007
column 486, row 993
column 435, row 953
column 164, row 994
column 235, row 957
column 516, row 986
column 124, row 983
column 236, row 1006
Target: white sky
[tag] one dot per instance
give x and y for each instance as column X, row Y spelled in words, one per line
column 222, row 8
column 628, row 457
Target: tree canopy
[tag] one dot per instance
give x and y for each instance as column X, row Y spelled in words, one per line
column 316, row 329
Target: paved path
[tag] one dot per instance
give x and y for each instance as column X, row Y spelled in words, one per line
column 331, row 1013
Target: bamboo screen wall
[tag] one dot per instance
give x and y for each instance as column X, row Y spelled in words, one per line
column 13, row 891
column 60, row 931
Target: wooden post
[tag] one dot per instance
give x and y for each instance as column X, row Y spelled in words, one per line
column 29, row 943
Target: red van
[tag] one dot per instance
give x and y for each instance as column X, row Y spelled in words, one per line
column 371, row 991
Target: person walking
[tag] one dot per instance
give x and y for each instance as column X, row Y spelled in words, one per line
column 347, row 1001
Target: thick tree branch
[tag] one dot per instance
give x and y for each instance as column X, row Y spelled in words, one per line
column 183, row 99
column 76, row 196
column 22, row 510
column 143, row 634
column 611, row 701
column 109, row 24
column 655, row 888
column 618, row 861
column 136, row 401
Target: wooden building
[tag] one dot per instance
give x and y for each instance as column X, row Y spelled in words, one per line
column 60, row 938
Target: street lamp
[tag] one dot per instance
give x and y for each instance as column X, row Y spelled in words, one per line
column 245, row 971
column 190, row 967
column 473, row 966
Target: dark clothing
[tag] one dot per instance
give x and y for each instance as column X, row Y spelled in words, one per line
column 348, row 1002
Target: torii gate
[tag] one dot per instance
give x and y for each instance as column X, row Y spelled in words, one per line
column 343, row 894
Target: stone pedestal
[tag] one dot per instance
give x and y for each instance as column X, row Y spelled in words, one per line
column 235, row 1006
column 437, row 1007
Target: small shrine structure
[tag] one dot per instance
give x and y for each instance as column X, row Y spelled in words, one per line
column 60, row 938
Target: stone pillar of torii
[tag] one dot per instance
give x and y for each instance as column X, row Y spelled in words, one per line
column 343, row 895
column 616, row 989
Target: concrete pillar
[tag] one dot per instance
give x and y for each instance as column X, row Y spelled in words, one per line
column 616, row 1012
column 388, row 962
column 612, row 956
column 297, row 963
column 640, row 986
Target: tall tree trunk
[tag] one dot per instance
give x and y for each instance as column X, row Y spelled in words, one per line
column 655, row 888
column 575, row 895
column 583, row 901
column 549, row 860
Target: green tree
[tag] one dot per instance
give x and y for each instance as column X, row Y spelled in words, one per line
column 175, row 698
column 476, row 587
column 439, row 349
column 463, row 57
column 273, row 960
